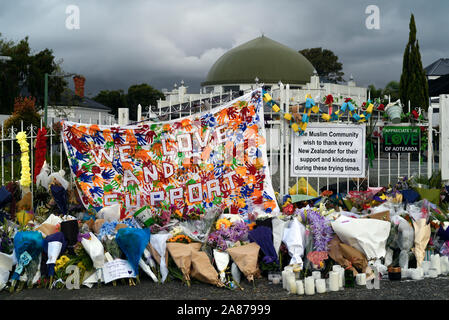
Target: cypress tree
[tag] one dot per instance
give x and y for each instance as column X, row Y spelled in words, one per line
column 413, row 85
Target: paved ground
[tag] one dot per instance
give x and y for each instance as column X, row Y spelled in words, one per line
column 427, row 289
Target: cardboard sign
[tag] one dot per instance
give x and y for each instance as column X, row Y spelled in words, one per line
column 329, row 150
column 117, row 269
column 401, row 139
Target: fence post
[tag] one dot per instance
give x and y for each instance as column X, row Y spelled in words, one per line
column 281, row 144
column 429, row 142
column 444, row 136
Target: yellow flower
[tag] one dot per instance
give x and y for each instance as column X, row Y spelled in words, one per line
column 81, row 265
column 222, row 223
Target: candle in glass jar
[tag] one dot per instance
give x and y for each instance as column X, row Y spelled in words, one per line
column 360, row 279
column 425, row 265
column 433, row 272
column 284, row 279
column 435, row 263
column 320, row 285
column 276, row 279
column 341, row 274
column 291, row 285
column 444, row 264
column 299, row 287
column 309, row 284
column 334, row 281
column 336, row 267
column 290, row 278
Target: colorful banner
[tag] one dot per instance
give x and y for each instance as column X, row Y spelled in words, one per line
column 213, row 158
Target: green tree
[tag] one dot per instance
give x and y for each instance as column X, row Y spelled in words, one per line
column 374, row 93
column 142, row 94
column 24, row 74
column 413, row 85
column 392, row 90
column 113, row 99
column 325, row 63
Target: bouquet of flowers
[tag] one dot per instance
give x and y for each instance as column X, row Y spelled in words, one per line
column 227, row 235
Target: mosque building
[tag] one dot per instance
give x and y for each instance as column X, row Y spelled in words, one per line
column 261, row 61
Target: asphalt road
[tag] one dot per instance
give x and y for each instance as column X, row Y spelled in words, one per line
column 427, row 289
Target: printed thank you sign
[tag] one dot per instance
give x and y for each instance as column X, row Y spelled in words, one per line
column 329, row 150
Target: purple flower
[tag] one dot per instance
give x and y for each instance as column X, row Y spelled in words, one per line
column 238, row 231
column 320, row 227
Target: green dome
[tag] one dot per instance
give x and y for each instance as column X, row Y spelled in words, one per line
column 266, row 59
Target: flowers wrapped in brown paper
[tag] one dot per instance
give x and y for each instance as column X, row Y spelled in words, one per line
column 422, row 236
column 203, row 270
column 47, row 229
column 246, row 257
column 97, row 225
column 24, row 203
column 347, row 256
column 182, row 255
column 356, row 258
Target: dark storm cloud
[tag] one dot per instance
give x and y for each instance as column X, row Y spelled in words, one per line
column 121, row 43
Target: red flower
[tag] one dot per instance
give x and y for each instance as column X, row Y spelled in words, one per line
column 348, row 99
column 415, row 114
column 381, row 107
column 329, row 99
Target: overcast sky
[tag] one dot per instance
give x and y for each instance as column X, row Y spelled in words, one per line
column 121, row 43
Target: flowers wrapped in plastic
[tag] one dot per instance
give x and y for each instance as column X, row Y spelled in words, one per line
column 157, row 249
column 294, row 238
column 53, row 246
column 70, row 229
column 422, row 237
column 366, row 235
column 263, row 236
column 59, row 193
column 95, row 250
column 28, row 247
column 132, row 242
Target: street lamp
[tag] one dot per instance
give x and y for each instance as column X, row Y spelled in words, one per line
column 46, row 90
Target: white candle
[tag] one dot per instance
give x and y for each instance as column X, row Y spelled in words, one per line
column 320, row 285
column 342, row 278
column 291, row 285
column 416, row 274
column 433, row 272
column 316, row 274
column 435, row 263
column 284, row 279
column 444, row 264
column 404, row 273
column 309, row 284
column 334, row 281
column 290, row 278
column 276, row 279
column 360, row 279
column 425, row 265
column 336, row 267
column 299, row 287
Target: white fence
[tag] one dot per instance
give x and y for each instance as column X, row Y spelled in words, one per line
column 387, row 167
